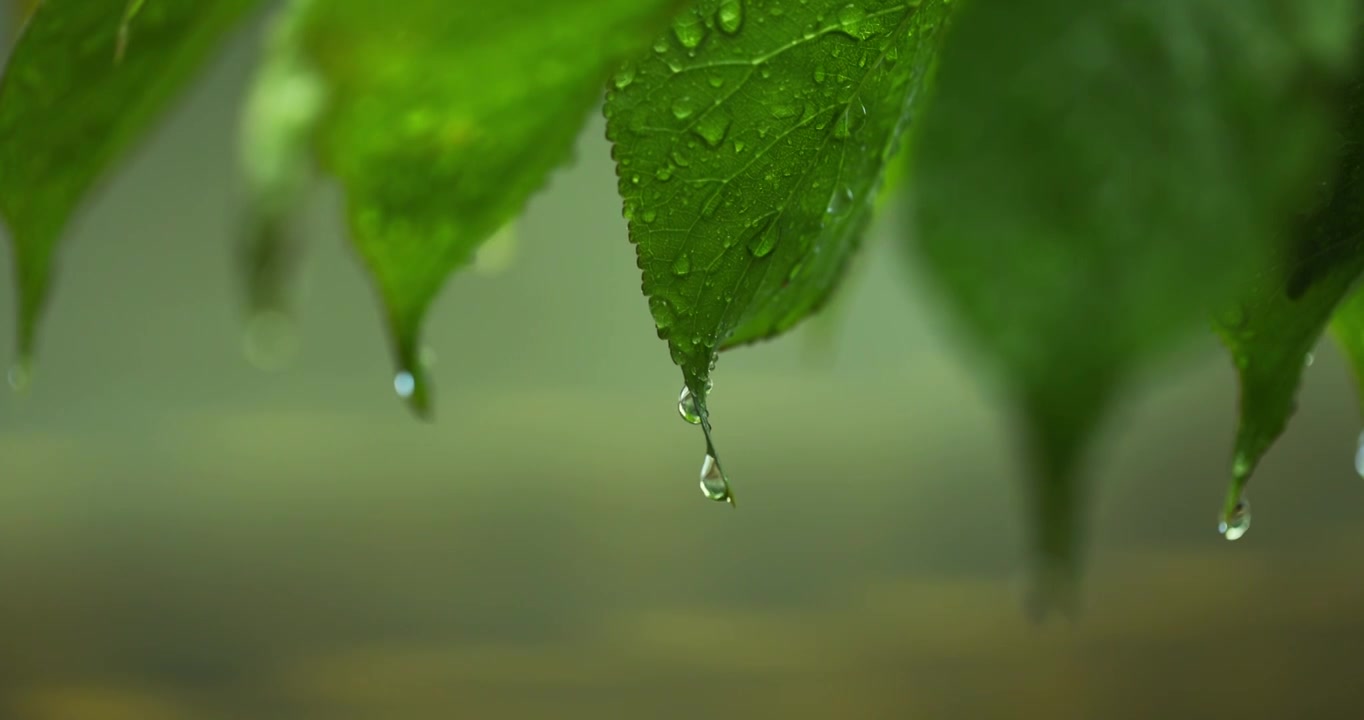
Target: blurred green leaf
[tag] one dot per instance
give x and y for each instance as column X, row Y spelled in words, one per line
column 1091, row 179
column 281, row 113
column 750, row 146
column 74, row 98
column 1272, row 330
column 444, row 117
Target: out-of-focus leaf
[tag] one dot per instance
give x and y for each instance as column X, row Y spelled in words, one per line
column 1090, row 179
column 281, row 112
column 444, row 117
column 70, row 105
column 1273, row 329
column 749, row 147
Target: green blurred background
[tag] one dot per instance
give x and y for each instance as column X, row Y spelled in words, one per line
column 184, row 536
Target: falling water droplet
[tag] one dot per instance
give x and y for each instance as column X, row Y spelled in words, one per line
column 1234, row 525
column 404, row 383
column 730, row 15
column 714, row 484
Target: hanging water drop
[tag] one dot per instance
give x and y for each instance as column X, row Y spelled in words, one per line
column 687, row 405
column 714, row 484
column 405, row 384
column 1235, row 524
column 1309, row 359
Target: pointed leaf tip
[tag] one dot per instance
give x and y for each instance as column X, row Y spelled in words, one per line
column 1272, row 329
column 433, row 158
column 749, row 156
column 50, row 155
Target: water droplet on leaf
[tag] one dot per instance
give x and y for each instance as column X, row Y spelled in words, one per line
column 683, row 108
column 689, row 29
column 625, row 76
column 730, row 15
column 712, row 128
column 682, row 265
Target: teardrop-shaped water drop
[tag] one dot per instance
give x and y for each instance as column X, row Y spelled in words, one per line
column 1359, row 455
column 714, row 484
column 686, row 403
column 1237, row 522
column 686, row 407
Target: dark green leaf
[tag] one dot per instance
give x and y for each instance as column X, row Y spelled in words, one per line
column 749, row 146
column 1091, row 178
column 444, row 117
column 1274, row 328
column 73, row 99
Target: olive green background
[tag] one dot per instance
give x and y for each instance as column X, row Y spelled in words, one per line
column 184, row 536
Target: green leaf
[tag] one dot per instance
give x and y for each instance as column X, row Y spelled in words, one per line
column 749, row 146
column 1273, row 329
column 444, row 117
column 73, row 99
column 1091, row 178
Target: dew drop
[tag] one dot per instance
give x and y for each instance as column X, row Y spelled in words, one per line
column 683, row 108
column 730, row 16
column 840, row 201
column 712, row 128
column 1309, row 359
column 625, row 76
column 1235, row 525
column 682, row 265
column 851, row 18
column 714, row 484
column 662, row 310
column 762, row 243
column 689, row 30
